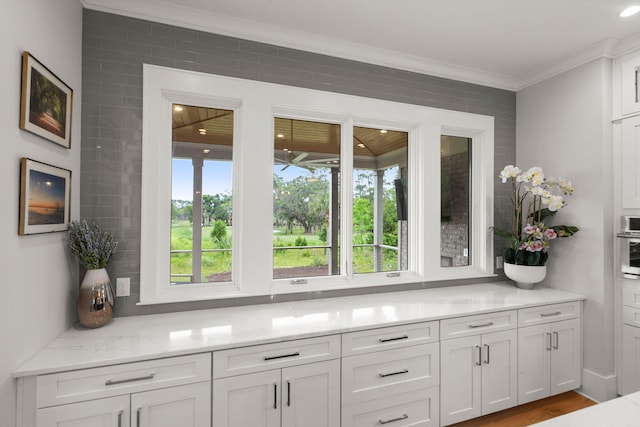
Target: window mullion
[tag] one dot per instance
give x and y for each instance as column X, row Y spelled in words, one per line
column 346, row 211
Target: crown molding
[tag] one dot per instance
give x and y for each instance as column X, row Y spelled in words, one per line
column 166, row 13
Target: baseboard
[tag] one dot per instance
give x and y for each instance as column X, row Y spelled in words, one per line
column 598, row 387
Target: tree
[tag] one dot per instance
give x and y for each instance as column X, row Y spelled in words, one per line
column 301, row 201
column 219, row 233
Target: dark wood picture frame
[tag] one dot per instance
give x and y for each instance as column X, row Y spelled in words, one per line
column 46, row 103
column 45, row 195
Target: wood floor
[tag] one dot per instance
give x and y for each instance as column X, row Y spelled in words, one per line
column 531, row 413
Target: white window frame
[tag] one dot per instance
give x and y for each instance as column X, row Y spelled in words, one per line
column 255, row 104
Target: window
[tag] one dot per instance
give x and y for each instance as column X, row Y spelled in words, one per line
column 455, row 191
column 316, row 195
column 201, row 201
column 380, row 224
column 306, row 198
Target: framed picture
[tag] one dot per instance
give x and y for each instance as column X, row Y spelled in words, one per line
column 46, row 103
column 44, row 197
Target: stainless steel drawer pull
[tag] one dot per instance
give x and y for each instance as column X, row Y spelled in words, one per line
column 548, row 341
column 120, row 418
column 555, row 313
column 138, row 417
column 481, row 325
column 403, row 417
column 404, row 371
column 130, row 380
column 557, row 340
column 297, row 353
column 404, row 337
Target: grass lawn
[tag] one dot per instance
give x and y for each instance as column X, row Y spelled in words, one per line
column 220, row 262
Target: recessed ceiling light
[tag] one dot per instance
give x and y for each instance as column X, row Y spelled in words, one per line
column 178, row 108
column 631, row 10
column 206, row 151
column 280, row 135
column 383, row 131
column 361, row 145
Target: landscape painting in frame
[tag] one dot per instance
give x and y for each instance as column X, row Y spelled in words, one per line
column 46, row 102
column 44, row 198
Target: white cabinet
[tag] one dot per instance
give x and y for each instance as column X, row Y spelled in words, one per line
column 478, row 369
column 478, row 375
column 141, row 394
column 109, row 412
column 549, row 359
column 630, row 377
column 629, row 89
column 293, row 394
column 630, row 161
column 391, row 376
column 630, row 381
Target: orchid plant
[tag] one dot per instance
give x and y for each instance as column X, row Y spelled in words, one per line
column 535, row 198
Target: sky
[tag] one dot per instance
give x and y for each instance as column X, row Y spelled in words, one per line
column 216, row 177
column 45, row 189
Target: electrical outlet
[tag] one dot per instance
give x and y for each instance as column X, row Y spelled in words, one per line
column 499, row 262
column 123, row 286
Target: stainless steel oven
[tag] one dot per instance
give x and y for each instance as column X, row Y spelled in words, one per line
column 630, row 247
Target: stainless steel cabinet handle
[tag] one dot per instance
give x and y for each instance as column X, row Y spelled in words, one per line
column 481, row 325
column 486, row 361
column 404, row 337
column 400, row 418
column 138, row 417
column 555, row 313
column 479, row 362
column 288, row 393
column 556, row 338
column 275, row 396
column 120, row 418
column 130, row 380
column 548, row 341
column 297, row 353
column 404, row 371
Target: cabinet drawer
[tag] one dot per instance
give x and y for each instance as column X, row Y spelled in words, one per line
column 268, row 356
column 631, row 297
column 416, row 408
column 479, row 324
column 385, row 373
column 86, row 384
column 631, row 316
column 548, row 313
column 387, row 338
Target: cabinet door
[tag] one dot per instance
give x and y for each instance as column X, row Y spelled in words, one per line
column 630, row 90
column 631, row 163
column 630, row 360
column 247, row 400
column 534, row 362
column 566, row 356
column 499, row 371
column 109, row 412
column 311, row 395
column 460, row 371
column 184, row 406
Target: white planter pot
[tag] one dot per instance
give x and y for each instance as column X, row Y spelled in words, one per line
column 525, row 276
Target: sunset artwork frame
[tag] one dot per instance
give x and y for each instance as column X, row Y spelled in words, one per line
column 45, row 192
column 46, row 103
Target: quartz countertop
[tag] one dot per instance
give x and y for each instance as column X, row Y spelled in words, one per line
column 138, row 338
column 623, row 411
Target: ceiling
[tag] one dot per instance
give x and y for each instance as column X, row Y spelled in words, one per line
column 508, row 44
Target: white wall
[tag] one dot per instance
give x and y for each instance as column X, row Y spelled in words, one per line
column 564, row 126
column 38, row 284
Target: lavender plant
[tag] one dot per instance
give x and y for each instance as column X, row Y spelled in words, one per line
column 91, row 246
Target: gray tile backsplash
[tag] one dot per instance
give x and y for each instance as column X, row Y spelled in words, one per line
column 114, row 49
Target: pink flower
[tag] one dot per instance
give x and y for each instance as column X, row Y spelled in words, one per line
column 529, row 229
column 550, row 234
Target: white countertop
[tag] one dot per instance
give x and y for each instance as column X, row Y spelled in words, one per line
column 621, row 412
column 136, row 338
